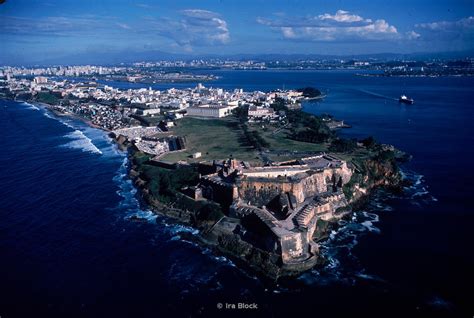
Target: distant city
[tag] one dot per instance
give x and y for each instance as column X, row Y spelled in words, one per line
column 179, row 70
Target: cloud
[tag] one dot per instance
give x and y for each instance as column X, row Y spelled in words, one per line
column 412, row 35
column 194, row 27
column 462, row 29
column 199, row 14
column 143, row 5
column 58, row 25
column 341, row 26
column 443, row 26
column 124, row 26
column 341, row 16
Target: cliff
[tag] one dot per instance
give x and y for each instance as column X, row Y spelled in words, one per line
column 269, row 250
column 373, row 173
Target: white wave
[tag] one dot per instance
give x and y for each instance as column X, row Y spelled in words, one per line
column 418, row 180
column 50, row 115
column 129, row 202
column 370, row 226
column 437, row 301
column 65, row 123
column 372, row 216
column 365, row 276
column 333, row 263
column 81, row 141
column 144, row 215
column 418, row 191
column 342, row 265
column 219, row 259
column 419, row 194
column 30, row 106
column 178, row 228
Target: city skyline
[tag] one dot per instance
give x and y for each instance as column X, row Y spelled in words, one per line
column 33, row 32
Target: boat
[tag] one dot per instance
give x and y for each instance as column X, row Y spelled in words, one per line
column 405, row 100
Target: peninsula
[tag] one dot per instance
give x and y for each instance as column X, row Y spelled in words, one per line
column 261, row 180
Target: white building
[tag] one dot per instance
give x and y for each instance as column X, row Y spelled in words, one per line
column 150, row 111
column 40, row 80
column 260, row 112
column 213, row 111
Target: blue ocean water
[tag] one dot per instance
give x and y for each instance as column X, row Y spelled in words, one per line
column 68, row 248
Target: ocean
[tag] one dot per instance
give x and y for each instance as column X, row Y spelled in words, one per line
column 69, row 249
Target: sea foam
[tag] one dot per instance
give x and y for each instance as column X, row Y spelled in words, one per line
column 81, row 141
column 30, row 106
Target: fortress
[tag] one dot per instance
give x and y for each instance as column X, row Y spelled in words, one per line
column 275, row 209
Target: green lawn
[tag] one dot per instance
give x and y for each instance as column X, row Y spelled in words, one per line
column 214, row 138
column 220, row 138
column 280, row 142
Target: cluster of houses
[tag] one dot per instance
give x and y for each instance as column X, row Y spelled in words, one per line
column 199, row 101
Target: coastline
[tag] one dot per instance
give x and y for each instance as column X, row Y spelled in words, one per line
column 252, row 258
column 71, row 115
column 387, row 252
column 232, row 248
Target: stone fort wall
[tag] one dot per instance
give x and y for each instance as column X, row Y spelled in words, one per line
column 259, row 191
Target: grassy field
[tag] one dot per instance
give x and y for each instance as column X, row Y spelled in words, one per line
column 222, row 138
column 279, row 141
column 214, row 138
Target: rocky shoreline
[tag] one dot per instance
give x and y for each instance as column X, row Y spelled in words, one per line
column 266, row 264
column 376, row 174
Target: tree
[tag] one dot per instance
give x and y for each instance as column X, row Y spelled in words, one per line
column 309, row 92
column 343, row 145
column 369, row 142
column 210, row 212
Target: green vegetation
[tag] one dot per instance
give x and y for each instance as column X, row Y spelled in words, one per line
column 204, row 211
column 254, row 138
column 209, row 212
column 369, row 142
column 310, row 135
column 357, row 178
column 164, row 185
column 301, row 135
column 278, row 140
column 47, row 98
column 385, row 156
column 214, row 138
column 310, row 92
column 343, row 145
column 231, row 137
column 140, row 158
column 305, row 127
column 241, row 113
column 374, row 165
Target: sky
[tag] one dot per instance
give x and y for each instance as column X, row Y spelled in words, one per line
column 34, row 31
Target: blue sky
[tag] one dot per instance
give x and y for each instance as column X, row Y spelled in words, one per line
column 37, row 30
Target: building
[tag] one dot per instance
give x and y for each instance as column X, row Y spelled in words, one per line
column 260, row 112
column 40, row 80
column 212, row 111
column 276, row 209
column 150, row 111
